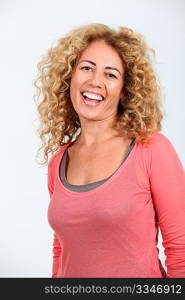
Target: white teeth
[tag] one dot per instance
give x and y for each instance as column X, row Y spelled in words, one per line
column 92, row 96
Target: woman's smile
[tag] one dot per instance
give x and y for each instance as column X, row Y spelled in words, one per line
column 92, row 99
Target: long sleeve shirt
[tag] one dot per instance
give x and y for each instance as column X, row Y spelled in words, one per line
column 112, row 230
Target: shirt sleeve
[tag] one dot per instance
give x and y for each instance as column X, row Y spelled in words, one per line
column 56, row 249
column 167, row 183
column 56, row 255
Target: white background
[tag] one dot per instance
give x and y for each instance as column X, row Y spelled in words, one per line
column 28, row 29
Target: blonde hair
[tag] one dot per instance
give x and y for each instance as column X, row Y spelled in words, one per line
column 139, row 113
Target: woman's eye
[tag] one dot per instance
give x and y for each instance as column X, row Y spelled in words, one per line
column 85, row 68
column 111, row 75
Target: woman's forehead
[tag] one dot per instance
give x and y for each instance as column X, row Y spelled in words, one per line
column 100, row 52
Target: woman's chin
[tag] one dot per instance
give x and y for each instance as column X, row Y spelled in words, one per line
column 89, row 115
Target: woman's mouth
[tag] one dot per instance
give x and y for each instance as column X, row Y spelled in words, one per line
column 92, row 99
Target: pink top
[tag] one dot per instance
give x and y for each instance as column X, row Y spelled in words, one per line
column 112, row 230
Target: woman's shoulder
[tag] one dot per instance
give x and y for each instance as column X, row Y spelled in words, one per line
column 53, row 159
column 159, row 137
column 160, row 148
column 158, row 141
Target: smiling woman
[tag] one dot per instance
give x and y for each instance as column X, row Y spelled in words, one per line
column 107, row 198
column 139, row 110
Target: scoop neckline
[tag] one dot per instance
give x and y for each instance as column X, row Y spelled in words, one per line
column 98, row 188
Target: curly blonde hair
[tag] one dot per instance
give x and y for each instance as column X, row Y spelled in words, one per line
column 139, row 113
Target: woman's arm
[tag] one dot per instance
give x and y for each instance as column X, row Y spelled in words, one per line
column 167, row 179
column 56, row 255
column 56, row 244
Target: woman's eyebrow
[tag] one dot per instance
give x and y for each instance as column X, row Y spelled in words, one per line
column 93, row 63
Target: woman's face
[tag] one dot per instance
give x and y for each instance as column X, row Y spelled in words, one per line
column 98, row 73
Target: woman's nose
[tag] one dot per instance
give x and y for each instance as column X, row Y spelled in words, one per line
column 96, row 79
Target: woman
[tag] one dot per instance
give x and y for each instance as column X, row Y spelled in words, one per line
column 117, row 179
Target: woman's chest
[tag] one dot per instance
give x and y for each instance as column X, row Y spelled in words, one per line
column 84, row 167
